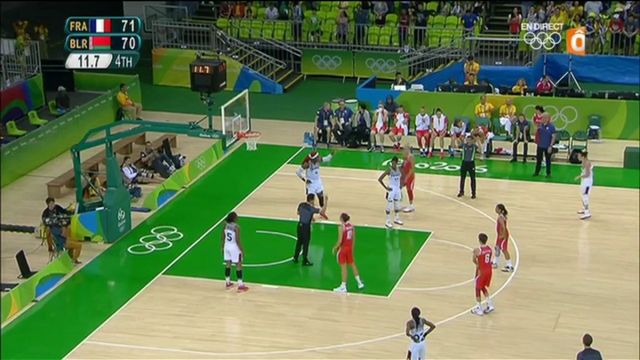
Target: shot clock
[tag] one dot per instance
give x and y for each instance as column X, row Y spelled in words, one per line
column 208, row 75
column 103, row 43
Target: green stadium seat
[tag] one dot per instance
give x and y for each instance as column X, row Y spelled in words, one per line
column 580, row 136
column 483, row 122
column 321, row 15
column 256, row 29
column 12, row 129
column 433, row 37
column 457, row 38
column 452, row 22
column 432, row 6
column 261, row 13
column 392, row 19
column 267, row 29
column 325, row 6
column 373, row 38
column 563, row 140
column 223, row 24
column 446, row 38
column 438, row 21
column 35, row 120
column 244, row 32
column 53, row 109
column 307, row 13
column 280, row 30
column 328, row 30
column 499, row 133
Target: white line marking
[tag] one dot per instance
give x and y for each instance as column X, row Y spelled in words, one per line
column 338, row 346
column 410, row 264
column 183, row 253
column 279, row 262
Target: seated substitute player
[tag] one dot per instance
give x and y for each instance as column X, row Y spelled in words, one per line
column 344, row 250
column 232, row 251
column 482, row 260
column 439, row 121
column 457, row 136
column 311, row 165
column 400, row 127
column 423, row 131
column 379, row 127
column 416, row 331
column 394, row 191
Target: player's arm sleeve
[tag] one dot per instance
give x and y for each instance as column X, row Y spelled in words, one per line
column 299, row 172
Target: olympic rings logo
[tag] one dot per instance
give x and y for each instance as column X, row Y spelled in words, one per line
column 200, row 163
column 561, row 118
column 326, row 62
column 381, row 65
column 548, row 41
column 161, row 238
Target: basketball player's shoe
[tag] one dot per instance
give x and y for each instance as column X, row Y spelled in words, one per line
column 243, row 288
column 360, row 285
column 409, row 208
column 341, row 289
column 581, row 212
column 494, row 265
column 489, row 309
column 228, row 285
column 398, row 221
column 507, row 268
column 585, row 215
column 477, row 310
column 389, row 224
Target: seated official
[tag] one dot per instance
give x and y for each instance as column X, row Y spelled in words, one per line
column 507, row 115
column 322, row 128
column 63, row 102
column 57, row 220
column 131, row 109
column 342, row 123
column 544, row 86
column 399, row 80
column 520, row 87
column 362, row 125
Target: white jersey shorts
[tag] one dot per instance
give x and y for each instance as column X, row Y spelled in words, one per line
column 232, row 253
column 315, row 187
column 394, row 195
column 418, row 350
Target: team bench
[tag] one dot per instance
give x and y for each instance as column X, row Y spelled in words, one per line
column 67, row 179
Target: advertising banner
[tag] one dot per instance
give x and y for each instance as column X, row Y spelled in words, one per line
column 327, row 62
column 384, row 65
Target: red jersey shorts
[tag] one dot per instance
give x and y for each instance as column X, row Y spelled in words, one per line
column 345, row 255
column 502, row 243
column 483, row 280
column 423, row 133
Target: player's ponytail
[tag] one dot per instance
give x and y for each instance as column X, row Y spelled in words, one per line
column 345, row 217
column 503, row 210
column 415, row 314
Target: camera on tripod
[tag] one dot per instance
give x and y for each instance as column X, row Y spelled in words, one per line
column 60, row 220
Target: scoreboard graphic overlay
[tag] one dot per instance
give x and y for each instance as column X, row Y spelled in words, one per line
column 103, row 43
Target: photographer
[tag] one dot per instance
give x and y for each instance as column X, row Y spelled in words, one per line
column 57, row 220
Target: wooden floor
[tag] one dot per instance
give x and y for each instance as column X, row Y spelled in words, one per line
column 572, row 277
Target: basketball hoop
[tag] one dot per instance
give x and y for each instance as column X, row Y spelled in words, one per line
column 251, row 139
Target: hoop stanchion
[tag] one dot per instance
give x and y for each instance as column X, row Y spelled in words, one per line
column 251, row 139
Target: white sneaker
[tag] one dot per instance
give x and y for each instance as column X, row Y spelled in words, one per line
column 340, row 289
column 507, row 268
column 409, row 208
column 398, row 221
column 494, row 265
column 389, row 224
column 586, row 215
column 361, row 286
column 477, row 311
column 581, row 212
column 489, row 309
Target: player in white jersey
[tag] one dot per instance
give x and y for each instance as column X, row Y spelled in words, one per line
column 416, row 331
column 394, row 191
column 311, row 169
column 586, row 184
column 439, row 121
column 232, row 251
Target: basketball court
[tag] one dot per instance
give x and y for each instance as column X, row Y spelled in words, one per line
column 168, row 300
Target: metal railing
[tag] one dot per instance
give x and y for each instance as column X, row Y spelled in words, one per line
column 281, row 50
column 428, row 60
column 193, row 36
column 18, row 62
column 153, row 13
column 505, row 50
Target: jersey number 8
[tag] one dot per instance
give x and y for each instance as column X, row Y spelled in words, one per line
column 487, row 258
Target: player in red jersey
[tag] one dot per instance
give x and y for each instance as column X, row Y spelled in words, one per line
column 344, row 249
column 409, row 176
column 503, row 239
column 482, row 259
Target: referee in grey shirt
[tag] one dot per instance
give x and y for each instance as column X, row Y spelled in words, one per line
column 306, row 210
column 468, row 165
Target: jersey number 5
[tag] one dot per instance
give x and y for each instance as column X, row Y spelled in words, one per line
column 229, row 236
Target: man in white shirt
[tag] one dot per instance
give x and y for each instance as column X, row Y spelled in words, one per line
column 439, row 121
column 423, row 131
column 271, row 13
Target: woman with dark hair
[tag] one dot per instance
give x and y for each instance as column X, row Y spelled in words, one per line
column 344, row 251
column 502, row 239
column 342, row 27
column 232, row 251
column 416, row 331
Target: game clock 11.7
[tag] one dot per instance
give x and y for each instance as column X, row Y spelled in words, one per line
column 202, row 69
column 78, row 60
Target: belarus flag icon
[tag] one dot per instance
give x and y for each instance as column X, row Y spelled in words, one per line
column 100, row 25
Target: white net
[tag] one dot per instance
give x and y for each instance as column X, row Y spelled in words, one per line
column 236, row 117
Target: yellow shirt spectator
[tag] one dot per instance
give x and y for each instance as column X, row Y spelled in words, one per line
column 507, row 110
column 130, row 109
column 123, row 99
column 471, row 81
column 484, row 110
column 471, row 67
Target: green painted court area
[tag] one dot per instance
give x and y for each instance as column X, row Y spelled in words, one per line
column 492, row 169
column 382, row 256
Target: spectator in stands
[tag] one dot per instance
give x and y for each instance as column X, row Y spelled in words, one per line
column 130, row 108
column 366, row 5
column 590, row 25
column 420, row 17
column 343, row 5
column 576, row 9
column 507, row 115
column 471, row 67
column 469, row 20
column 630, row 31
column 456, row 9
column 63, row 103
column 57, row 220
column 362, row 125
column 514, row 21
column 457, row 136
column 532, row 15
column 283, row 10
column 521, row 135
column 544, row 86
column 342, row 125
column 594, row 7
column 342, row 27
column 576, row 21
column 271, row 13
column 297, row 15
column 520, row 87
column 323, row 124
column 556, row 18
column 399, row 80
column 588, row 353
column 484, row 109
column 314, row 26
column 380, row 10
column 403, row 27
column 471, row 80
column 546, row 139
column 362, row 23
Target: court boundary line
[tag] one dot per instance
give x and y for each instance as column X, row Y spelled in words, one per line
column 207, row 232
column 406, row 270
column 338, row 346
